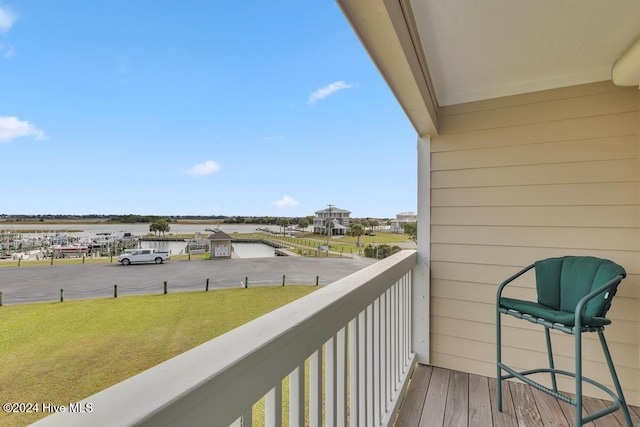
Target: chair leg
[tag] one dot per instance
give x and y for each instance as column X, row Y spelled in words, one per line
column 614, row 376
column 550, row 356
column 498, row 361
column 578, row 370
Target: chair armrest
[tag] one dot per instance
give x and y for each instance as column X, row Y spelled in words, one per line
column 509, row 280
column 580, row 307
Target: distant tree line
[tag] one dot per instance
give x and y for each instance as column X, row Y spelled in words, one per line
column 368, row 224
column 131, row 219
column 302, row 222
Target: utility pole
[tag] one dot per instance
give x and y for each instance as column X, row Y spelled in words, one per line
column 328, row 224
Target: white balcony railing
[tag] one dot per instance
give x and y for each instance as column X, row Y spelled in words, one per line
column 354, row 336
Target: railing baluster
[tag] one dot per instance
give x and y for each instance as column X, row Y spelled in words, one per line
column 394, row 333
column 245, row 420
column 388, row 344
column 376, row 362
column 396, row 344
column 341, row 378
column 362, row 365
column 330, row 399
column 296, row 397
column 354, row 368
column 403, row 324
column 383, row 352
column 273, row 407
column 315, row 389
column 369, row 350
column 409, row 302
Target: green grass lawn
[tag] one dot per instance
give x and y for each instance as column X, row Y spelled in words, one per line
column 64, row 352
column 343, row 244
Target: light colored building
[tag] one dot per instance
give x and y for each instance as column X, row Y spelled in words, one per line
column 401, row 218
column 220, row 245
column 338, row 217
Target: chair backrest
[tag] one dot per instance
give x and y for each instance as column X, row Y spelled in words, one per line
column 562, row 282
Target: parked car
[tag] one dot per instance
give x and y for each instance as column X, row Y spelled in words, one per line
column 138, row 256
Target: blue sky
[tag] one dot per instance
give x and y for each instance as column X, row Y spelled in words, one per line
column 196, row 108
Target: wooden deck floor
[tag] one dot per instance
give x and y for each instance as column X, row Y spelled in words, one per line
column 444, row 398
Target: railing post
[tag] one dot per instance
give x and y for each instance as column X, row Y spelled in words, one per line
column 206, row 288
column 61, row 295
column 420, row 281
column 115, row 291
column 165, row 287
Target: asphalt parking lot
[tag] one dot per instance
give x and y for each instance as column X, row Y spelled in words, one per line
column 21, row 285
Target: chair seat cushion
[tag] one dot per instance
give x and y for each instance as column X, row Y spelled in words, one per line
column 535, row 309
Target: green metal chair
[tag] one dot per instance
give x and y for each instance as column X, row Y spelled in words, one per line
column 574, row 294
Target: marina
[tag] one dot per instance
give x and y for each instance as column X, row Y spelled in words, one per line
column 26, row 241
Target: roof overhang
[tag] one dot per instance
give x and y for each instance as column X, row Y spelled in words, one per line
column 394, row 47
column 437, row 53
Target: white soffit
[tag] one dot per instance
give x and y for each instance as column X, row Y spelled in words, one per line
column 486, row 49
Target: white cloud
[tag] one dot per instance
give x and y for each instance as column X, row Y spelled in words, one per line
column 11, row 128
column 206, row 168
column 285, row 202
column 7, row 18
column 328, row 90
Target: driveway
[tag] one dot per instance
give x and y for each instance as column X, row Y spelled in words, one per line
column 43, row 283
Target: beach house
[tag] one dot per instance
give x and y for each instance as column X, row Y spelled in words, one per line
column 339, row 219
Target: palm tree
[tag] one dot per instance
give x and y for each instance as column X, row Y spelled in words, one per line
column 164, row 226
column 153, row 228
column 159, row 225
column 411, row 228
column 284, row 223
column 356, row 231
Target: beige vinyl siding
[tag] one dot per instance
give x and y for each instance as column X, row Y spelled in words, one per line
column 523, row 178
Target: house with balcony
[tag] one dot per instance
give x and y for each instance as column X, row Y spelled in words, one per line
column 527, row 120
column 402, row 218
column 339, row 219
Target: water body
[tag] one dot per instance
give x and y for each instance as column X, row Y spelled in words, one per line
column 241, row 250
column 138, row 229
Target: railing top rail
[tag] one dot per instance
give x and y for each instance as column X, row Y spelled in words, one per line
column 213, row 382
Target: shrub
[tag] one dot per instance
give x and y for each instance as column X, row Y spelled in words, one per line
column 381, row 251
